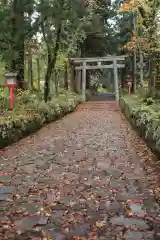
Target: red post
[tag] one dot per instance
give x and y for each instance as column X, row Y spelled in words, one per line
column 11, row 98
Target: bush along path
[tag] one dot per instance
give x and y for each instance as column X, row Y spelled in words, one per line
column 80, row 177
column 31, row 113
column 144, row 115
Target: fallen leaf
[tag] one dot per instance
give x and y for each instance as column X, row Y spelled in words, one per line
column 100, row 224
column 129, row 213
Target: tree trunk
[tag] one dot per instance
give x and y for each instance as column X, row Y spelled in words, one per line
column 123, row 77
column 12, row 63
column 20, row 66
column 56, row 82
column 51, row 63
column 134, row 69
column 72, row 78
column 134, row 73
column 78, row 81
column 38, row 74
column 141, row 68
column 47, row 80
column 66, row 76
column 87, row 80
column 157, row 80
column 152, row 73
column 17, row 58
column 30, row 69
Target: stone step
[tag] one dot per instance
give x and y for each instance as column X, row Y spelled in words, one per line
column 99, row 106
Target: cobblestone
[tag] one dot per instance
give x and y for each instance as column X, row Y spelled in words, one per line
column 82, row 177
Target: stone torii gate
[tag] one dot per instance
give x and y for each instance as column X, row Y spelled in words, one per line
column 99, row 63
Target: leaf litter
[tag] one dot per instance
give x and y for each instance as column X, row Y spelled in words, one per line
column 72, row 189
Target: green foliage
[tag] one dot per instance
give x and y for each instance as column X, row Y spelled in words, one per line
column 102, row 90
column 88, row 95
column 27, row 97
column 101, row 35
column 20, row 98
column 31, row 115
column 144, row 118
column 16, row 29
column 2, row 71
column 149, row 101
column 154, row 94
column 4, row 98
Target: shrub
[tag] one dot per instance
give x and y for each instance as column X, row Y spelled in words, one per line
column 30, row 115
column 146, row 93
column 149, row 101
column 144, row 118
column 4, row 98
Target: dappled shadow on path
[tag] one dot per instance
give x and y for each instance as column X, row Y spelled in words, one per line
column 81, row 177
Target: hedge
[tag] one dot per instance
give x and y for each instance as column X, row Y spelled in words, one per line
column 144, row 118
column 30, row 116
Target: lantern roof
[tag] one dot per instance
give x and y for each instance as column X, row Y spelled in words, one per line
column 11, row 74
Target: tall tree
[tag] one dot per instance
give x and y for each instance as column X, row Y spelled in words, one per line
column 62, row 23
column 14, row 18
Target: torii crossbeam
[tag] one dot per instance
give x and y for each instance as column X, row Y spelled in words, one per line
column 99, row 63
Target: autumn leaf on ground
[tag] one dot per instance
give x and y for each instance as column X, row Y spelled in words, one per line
column 134, row 228
column 92, row 236
column 129, row 213
column 100, row 224
column 67, row 194
column 37, row 238
column 78, row 238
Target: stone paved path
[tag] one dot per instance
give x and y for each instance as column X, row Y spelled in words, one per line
column 81, row 177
